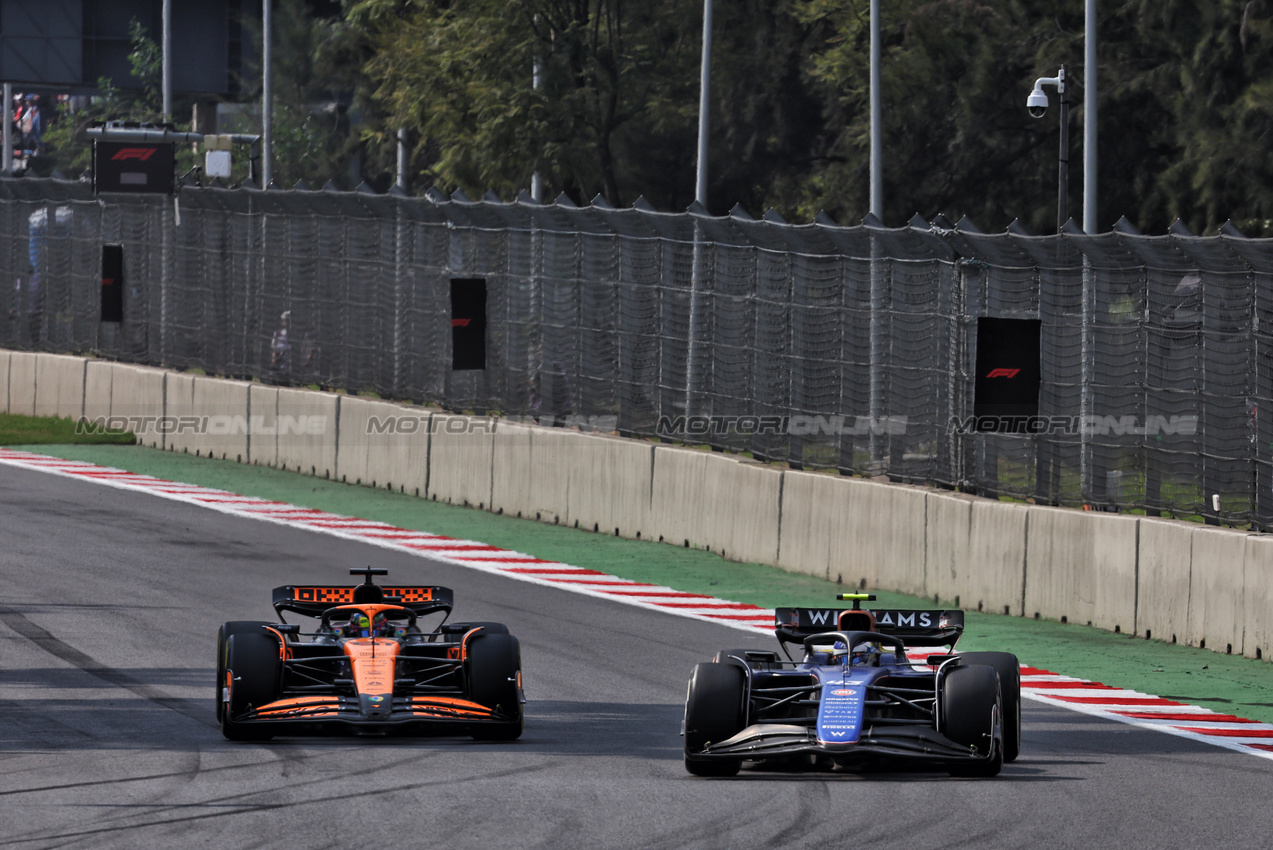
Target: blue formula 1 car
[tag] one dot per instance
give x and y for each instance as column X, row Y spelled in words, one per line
column 854, row 697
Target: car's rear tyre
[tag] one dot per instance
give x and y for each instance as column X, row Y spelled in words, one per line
column 715, row 710
column 252, row 662
column 971, row 708
column 224, row 633
column 1009, row 670
column 494, row 677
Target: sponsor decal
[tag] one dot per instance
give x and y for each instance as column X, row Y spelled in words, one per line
column 1003, row 373
column 375, row 699
column 821, row 618
column 460, row 323
column 140, row 154
column 906, row 619
column 844, row 692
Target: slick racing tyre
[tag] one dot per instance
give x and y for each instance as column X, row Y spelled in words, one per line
column 494, row 677
column 1009, row 670
column 971, row 707
column 252, row 662
column 224, row 633
column 714, row 712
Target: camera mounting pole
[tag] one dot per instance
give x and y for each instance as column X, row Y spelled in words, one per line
column 1037, row 103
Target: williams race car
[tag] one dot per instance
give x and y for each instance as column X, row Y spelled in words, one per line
column 854, row 698
column 368, row 667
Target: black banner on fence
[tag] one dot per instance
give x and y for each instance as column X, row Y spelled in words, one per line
column 468, row 323
column 1006, row 394
column 112, row 283
column 133, row 167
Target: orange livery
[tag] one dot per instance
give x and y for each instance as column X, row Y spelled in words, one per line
column 369, row 666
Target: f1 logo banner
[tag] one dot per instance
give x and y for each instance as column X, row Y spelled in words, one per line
column 133, row 166
column 112, row 283
column 1006, row 393
column 468, row 323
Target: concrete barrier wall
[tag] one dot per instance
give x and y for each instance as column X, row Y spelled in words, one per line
column 383, row 444
column 262, row 443
column 707, row 500
column 223, row 408
column 137, row 394
column 98, row 377
column 511, row 477
column 878, row 536
column 308, row 432
column 1153, row 577
column 22, row 382
column 1257, row 597
column 947, row 531
column 1217, row 585
column 4, row 380
column 461, row 449
column 180, row 422
column 1166, row 554
column 810, row 514
column 59, row 386
column 1082, row 567
column 609, row 481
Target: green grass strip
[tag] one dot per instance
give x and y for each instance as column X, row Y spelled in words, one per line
column 16, row 429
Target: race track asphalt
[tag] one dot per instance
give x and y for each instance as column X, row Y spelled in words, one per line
column 109, row 604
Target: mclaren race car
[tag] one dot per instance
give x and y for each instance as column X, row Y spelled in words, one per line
column 853, row 697
column 369, row 667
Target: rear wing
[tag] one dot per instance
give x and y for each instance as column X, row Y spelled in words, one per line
column 914, row 628
column 312, row 601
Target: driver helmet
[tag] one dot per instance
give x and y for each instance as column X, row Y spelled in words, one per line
column 866, row 654
column 379, row 624
column 359, row 625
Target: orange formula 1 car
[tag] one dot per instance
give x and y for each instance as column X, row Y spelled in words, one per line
column 368, row 667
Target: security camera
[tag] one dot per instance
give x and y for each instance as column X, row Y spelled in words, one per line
column 1037, row 103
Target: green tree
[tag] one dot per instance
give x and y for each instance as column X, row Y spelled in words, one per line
column 459, row 75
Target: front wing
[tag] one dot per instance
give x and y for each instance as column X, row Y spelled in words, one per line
column 762, row 741
column 334, row 713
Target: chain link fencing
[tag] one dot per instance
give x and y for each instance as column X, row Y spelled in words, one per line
column 824, row 347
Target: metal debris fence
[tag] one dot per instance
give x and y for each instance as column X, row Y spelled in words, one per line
column 821, row 346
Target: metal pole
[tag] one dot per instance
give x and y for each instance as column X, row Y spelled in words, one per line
column 877, row 378
column 877, row 182
column 705, row 81
column 167, row 60
column 1089, row 121
column 267, row 93
column 1063, row 165
column 537, row 83
column 8, row 130
column 1088, row 475
column 401, row 169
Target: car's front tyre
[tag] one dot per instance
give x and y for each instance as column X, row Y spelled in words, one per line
column 715, row 710
column 253, row 667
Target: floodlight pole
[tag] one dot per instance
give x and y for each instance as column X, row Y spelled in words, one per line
column 267, row 93
column 167, row 60
column 877, row 143
column 1089, row 119
column 704, row 91
column 8, row 130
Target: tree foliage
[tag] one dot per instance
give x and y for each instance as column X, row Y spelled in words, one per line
column 601, row 97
